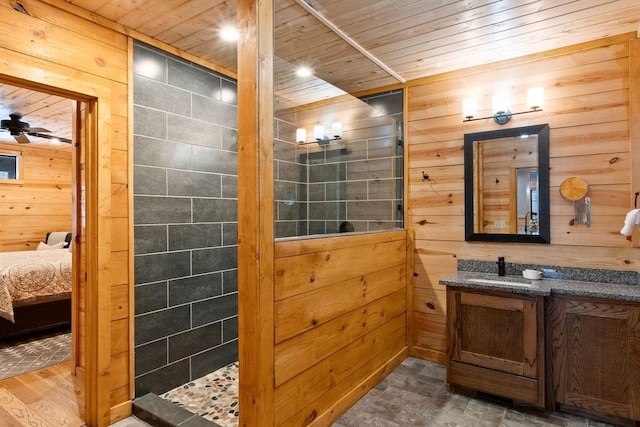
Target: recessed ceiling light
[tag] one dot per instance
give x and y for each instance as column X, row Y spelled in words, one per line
column 304, row 72
column 229, row 34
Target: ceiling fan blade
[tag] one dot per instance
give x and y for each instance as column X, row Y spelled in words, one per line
column 22, row 139
column 48, row 136
column 36, row 130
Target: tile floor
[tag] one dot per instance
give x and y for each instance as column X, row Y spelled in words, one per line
column 131, row 421
column 414, row 394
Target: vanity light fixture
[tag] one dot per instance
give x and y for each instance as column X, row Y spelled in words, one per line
column 500, row 104
column 319, row 134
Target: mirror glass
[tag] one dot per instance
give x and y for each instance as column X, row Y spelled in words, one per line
column 507, row 185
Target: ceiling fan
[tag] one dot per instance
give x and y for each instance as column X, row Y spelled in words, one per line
column 19, row 130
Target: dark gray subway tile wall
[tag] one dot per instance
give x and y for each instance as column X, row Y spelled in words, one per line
column 185, row 215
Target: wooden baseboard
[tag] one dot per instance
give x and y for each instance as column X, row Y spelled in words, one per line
column 429, row 355
column 340, row 407
column 79, row 373
column 120, row 411
column 599, row 416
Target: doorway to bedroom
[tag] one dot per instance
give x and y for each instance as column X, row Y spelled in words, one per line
column 40, row 338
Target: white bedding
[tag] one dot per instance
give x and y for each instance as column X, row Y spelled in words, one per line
column 27, row 276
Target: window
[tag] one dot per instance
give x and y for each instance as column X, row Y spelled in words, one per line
column 9, row 166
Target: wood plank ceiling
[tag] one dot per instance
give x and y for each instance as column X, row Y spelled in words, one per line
column 413, row 38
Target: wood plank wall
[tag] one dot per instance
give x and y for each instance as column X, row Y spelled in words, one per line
column 587, row 108
column 40, row 201
column 56, row 52
column 339, row 319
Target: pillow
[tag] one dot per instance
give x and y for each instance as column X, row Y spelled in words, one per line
column 44, row 246
column 58, row 236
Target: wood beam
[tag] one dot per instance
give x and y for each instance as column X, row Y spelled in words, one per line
column 255, row 212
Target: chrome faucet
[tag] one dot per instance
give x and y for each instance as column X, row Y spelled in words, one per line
column 501, row 266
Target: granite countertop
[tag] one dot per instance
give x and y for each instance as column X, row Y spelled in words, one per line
column 544, row 286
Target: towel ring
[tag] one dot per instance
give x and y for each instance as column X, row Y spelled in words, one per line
column 635, row 201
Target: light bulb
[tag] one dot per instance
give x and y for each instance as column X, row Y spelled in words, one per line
column 535, row 98
column 318, row 132
column 468, row 108
column 500, row 103
column 301, row 135
column 336, row 130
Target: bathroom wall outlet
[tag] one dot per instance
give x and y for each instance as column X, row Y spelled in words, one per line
column 499, row 224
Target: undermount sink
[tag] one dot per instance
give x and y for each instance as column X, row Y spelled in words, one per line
column 500, row 282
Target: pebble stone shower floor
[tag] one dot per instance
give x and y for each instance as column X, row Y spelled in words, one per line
column 213, row 397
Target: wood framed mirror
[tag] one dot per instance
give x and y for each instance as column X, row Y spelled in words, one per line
column 506, row 185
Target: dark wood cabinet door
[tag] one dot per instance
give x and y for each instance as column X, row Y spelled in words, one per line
column 596, row 355
column 496, row 343
column 496, row 332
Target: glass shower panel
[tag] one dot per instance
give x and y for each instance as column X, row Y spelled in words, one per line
column 345, row 176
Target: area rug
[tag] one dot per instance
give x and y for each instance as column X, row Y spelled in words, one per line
column 21, row 355
column 213, row 397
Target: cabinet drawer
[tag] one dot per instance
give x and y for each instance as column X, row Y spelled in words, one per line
column 521, row 389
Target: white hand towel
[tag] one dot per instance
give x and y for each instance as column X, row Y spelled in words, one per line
column 633, row 218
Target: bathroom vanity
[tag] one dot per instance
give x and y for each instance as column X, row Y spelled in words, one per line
column 551, row 343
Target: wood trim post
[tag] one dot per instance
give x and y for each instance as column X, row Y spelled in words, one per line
column 634, row 126
column 77, row 119
column 98, row 258
column 410, row 286
column 255, row 212
column 130, row 226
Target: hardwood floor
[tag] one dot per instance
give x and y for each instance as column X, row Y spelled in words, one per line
column 49, row 397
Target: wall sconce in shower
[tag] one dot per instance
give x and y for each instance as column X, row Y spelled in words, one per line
column 319, row 134
column 501, row 112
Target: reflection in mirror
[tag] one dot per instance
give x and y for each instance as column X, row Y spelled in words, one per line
column 527, row 200
column 505, row 173
column 507, row 185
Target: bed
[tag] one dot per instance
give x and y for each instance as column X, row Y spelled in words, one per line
column 35, row 290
